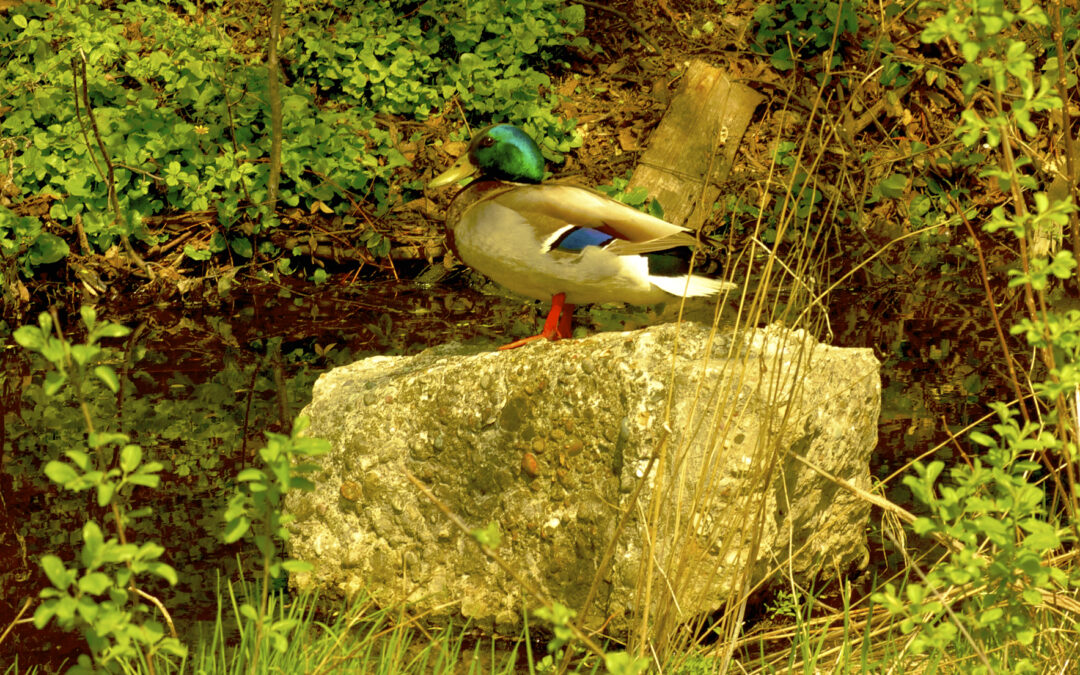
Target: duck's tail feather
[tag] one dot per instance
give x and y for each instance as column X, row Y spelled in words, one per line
column 694, row 287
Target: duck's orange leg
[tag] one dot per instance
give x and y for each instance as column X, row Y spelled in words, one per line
column 556, row 325
column 565, row 330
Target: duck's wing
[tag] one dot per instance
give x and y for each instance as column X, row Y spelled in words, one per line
column 540, row 241
column 568, row 218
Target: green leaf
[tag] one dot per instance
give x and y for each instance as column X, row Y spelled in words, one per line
column 54, row 382
column 915, row 593
column 47, row 249
column 781, row 59
column 61, row 472
column 151, row 550
column 45, row 323
column 1025, row 636
column 236, row 528
column 144, row 480
column 105, row 492
column 265, row 545
column 1032, row 597
column 621, row 663
column 279, row 642
column 130, row 457
column 198, row 254
column 892, row 187
column 248, row 475
column 933, row 470
column 108, row 376
column 241, row 246
column 970, row 50
column 100, row 438
column 55, row 570
column 294, row 566
column 29, row 337
column 164, row 571
column 112, row 330
column 1042, row 535
column 93, row 544
column 991, row 616
column 248, row 612
column 489, row 536
column 44, row 613
column 82, row 460
column 84, row 354
column 301, row 424
column 89, row 316
column 151, row 467
column 95, row 583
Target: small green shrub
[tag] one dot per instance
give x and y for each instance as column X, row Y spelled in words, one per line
column 1001, row 527
column 999, row 520
column 98, row 594
column 800, row 29
column 257, row 507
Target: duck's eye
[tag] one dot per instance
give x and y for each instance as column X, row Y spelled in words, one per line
column 487, row 142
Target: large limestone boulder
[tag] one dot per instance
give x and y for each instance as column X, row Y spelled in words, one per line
column 739, row 439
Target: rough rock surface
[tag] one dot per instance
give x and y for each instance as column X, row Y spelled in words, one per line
column 550, row 440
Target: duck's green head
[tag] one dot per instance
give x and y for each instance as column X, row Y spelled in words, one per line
column 499, row 152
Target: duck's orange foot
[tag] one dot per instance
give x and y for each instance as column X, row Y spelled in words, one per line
column 556, row 326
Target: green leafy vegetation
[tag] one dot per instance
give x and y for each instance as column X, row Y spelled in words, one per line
column 988, row 598
column 991, row 506
column 792, row 30
column 638, row 197
column 98, row 595
column 181, row 109
column 258, row 508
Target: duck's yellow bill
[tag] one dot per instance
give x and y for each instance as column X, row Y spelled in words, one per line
column 462, row 168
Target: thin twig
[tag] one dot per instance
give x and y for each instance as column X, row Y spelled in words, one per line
column 161, row 608
column 985, row 277
column 26, row 606
column 128, row 359
column 110, row 176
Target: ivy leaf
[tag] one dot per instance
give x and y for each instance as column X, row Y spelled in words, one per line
column 241, row 246
column 47, row 249
column 892, row 187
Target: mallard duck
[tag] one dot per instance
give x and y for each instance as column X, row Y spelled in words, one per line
column 563, row 242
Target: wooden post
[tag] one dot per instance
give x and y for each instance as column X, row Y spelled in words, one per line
column 707, row 116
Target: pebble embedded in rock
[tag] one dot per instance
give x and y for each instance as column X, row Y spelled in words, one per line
column 530, row 465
